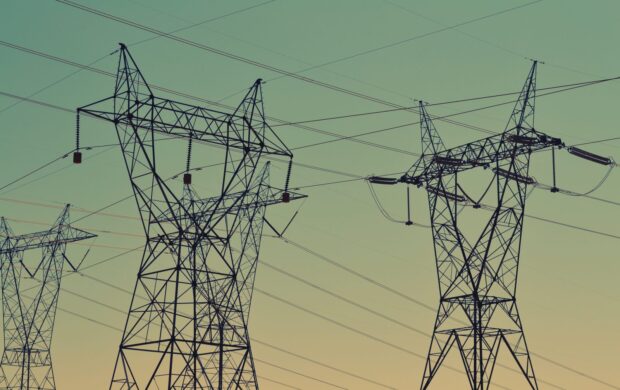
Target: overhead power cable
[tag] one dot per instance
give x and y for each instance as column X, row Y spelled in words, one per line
column 337, row 296
column 239, row 58
column 193, row 25
column 344, row 299
column 447, row 116
column 345, row 326
column 280, row 349
column 297, row 74
column 464, row 100
column 597, row 141
column 112, row 327
column 45, row 165
column 339, row 137
column 419, row 36
column 363, row 277
column 170, row 91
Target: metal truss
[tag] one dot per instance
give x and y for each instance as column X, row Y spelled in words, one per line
column 187, row 326
column 478, row 279
column 30, row 290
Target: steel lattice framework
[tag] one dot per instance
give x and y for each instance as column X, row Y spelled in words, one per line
column 478, row 279
column 29, row 320
column 187, row 327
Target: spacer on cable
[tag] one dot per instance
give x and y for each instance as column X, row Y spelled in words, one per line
column 187, row 178
column 77, row 157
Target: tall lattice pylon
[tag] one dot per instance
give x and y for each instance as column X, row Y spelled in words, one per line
column 30, row 290
column 478, row 278
column 187, row 326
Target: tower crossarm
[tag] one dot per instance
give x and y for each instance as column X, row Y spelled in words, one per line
column 481, row 153
column 57, row 236
column 181, row 120
column 208, row 207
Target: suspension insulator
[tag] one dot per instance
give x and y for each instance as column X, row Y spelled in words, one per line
column 77, row 157
column 382, row 180
column 286, row 197
column 187, row 178
column 447, row 195
column 590, row 156
column 514, row 176
column 522, row 139
column 447, row 160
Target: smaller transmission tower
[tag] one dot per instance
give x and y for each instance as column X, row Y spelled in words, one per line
column 478, row 275
column 30, row 289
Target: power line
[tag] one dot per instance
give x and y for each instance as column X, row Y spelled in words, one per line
column 420, row 36
column 210, row 49
column 597, row 141
column 38, row 102
column 352, row 329
column 339, row 297
column 213, row 19
column 463, row 100
column 318, row 363
column 45, row 165
column 485, row 41
column 352, row 138
column 397, row 293
column 568, row 87
column 112, row 327
column 48, row 174
column 392, row 44
column 344, row 299
column 166, row 90
column 135, row 44
column 299, row 373
column 52, row 84
column 239, row 58
column 354, row 177
column 110, row 285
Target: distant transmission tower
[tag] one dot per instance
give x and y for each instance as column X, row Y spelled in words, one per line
column 187, row 327
column 478, row 279
column 30, row 289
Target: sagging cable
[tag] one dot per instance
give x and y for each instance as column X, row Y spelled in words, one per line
column 514, row 176
column 448, row 195
column 382, row 180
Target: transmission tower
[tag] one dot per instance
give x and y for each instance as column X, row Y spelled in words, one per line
column 30, row 290
column 187, row 326
column 478, row 278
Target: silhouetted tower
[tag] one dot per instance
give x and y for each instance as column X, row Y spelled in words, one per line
column 478, row 278
column 30, row 289
column 187, row 327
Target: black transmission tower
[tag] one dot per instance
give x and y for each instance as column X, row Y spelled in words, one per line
column 30, row 290
column 478, row 278
column 187, row 326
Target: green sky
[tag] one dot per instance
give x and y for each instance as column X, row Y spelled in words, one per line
column 568, row 290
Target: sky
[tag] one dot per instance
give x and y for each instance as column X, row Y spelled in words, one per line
column 436, row 51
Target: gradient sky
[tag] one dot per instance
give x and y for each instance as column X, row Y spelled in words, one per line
column 568, row 291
